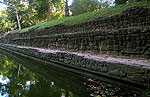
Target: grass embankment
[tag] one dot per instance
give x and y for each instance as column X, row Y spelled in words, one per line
column 114, row 10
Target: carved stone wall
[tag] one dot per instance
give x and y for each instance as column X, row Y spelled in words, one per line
column 137, row 74
column 129, row 18
column 133, row 42
column 126, row 34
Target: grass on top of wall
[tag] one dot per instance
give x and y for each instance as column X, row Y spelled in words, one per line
column 114, row 10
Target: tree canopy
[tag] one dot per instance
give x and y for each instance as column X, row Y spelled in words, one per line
column 20, row 14
column 83, row 6
column 24, row 13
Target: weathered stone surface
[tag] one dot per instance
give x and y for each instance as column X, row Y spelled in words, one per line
column 137, row 78
column 126, row 34
column 117, row 72
column 123, row 42
column 133, row 70
column 121, row 71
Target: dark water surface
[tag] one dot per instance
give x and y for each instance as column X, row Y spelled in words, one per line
column 20, row 77
column 24, row 78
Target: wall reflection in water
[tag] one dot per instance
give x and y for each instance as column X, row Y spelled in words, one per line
column 25, row 78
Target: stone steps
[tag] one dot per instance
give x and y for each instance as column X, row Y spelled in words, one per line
column 132, row 42
column 136, row 18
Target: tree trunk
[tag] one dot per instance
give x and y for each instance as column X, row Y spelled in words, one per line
column 48, row 15
column 67, row 93
column 66, row 8
column 19, row 67
column 18, row 20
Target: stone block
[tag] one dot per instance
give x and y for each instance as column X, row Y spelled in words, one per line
column 137, row 78
column 130, row 70
column 104, row 69
column 117, row 72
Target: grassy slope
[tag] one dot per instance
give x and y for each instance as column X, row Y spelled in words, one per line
column 87, row 16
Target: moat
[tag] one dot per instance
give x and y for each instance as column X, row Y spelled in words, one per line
column 51, row 49
column 26, row 78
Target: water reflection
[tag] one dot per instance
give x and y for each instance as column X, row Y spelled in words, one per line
column 3, row 81
column 18, row 81
column 25, row 78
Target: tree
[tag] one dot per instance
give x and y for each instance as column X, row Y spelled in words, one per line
column 44, row 8
column 25, row 13
column 5, row 24
column 83, row 6
column 15, row 6
column 66, row 8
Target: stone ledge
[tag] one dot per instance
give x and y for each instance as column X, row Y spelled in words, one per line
column 131, row 42
column 136, row 18
column 134, row 71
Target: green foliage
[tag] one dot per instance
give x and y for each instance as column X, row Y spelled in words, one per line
column 45, row 8
column 30, row 12
column 83, row 6
column 114, row 10
column 16, row 8
column 31, row 16
column 148, row 92
column 5, row 24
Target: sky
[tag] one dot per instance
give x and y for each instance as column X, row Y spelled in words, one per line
column 70, row 1
column 1, row 6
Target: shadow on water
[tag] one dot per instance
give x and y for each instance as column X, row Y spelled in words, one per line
column 26, row 78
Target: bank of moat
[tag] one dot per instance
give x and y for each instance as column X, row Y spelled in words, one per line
column 117, row 47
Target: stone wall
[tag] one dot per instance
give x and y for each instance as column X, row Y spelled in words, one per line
column 131, row 42
column 137, row 74
column 126, row 34
column 129, row 18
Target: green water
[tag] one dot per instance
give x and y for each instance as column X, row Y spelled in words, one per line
column 21, row 77
column 25, row 78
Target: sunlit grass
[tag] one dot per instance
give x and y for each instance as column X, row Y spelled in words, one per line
column 114, row 10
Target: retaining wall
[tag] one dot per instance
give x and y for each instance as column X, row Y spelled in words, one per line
column 133, row 73
column 132, row 17
column 127, row 34
column 131, row 42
